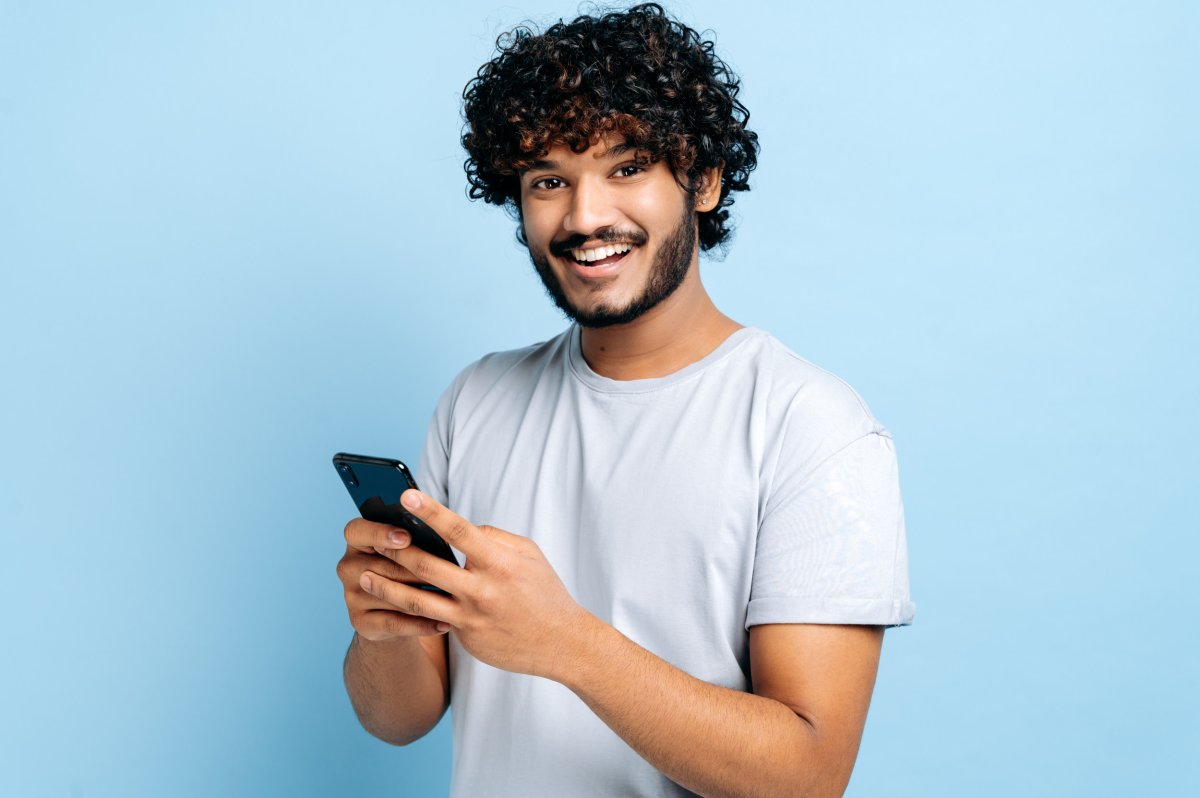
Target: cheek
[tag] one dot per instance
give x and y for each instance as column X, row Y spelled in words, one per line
column 658, row 212
column 537, row 233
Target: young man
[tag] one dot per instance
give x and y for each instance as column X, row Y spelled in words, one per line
column 682, row 541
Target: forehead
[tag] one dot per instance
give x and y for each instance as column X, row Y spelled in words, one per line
column 605, row 148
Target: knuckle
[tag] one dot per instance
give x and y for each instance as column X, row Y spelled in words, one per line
column 360, row 615
column 456, row 529
column 395, row 624
column 485, row 599
column 358, row 620
column 502, row 570
column 422, row 569
column 398, row 573
column 471, row 626
column 505, row 564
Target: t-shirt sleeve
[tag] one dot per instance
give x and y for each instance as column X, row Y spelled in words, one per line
column 831, row 543
column 433, row 470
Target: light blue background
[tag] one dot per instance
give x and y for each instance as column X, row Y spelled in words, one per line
column 234, row 240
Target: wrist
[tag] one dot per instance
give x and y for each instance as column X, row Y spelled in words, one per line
column 586, row 645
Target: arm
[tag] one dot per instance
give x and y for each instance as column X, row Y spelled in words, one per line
column 798, row 734
column 398, row 687
column 396, row 667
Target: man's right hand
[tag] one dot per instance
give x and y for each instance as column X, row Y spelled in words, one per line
column 373, row 618
column 396, row 670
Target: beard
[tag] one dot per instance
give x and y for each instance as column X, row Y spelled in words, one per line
column 667, row 273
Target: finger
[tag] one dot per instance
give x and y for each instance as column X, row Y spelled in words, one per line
column 454, row 529
column 393, row 555
column 500, row 536
column 410, row 600
column 367, row 536
column 390, row 556
column 432, row 570
column 386, row 623
column 361, row 602
column 383, row 564
column 350, row 569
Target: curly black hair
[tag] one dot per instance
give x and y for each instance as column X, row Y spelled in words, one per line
column 635, row 72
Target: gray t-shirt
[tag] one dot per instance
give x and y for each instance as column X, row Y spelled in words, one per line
column 750, row 487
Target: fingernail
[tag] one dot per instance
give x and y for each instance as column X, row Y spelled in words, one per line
column 443, row 627
column 365, row 581
column 399, row 538
column 411, row 499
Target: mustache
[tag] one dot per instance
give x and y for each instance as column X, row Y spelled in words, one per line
column 563, row 247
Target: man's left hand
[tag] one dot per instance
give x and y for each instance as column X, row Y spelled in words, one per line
column 507, row 607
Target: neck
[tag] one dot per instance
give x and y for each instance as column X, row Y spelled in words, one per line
column 682, row 329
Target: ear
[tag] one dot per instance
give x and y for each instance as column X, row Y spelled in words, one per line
column 710, row 189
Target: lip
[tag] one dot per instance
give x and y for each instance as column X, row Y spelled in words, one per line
column 589, row 273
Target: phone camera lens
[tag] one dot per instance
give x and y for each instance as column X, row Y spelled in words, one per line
column 348, row 475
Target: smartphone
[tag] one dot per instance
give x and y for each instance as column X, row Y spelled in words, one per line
column 375, row 484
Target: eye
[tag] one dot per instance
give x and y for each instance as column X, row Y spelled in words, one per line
column 546, row 183
column 629, row 170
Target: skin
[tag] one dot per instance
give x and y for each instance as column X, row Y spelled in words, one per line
column 796, row 734
column 568, row 195
column 673, row 255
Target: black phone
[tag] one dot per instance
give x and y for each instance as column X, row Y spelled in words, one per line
column 375, row 484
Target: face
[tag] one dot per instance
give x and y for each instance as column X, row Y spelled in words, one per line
column 610, row 237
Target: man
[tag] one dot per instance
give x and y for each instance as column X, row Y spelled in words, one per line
column 682, row 542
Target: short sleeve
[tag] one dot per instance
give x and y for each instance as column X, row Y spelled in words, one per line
column 831, row 543
column 433, row 470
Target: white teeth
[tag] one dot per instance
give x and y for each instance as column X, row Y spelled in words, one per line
column 597, row 253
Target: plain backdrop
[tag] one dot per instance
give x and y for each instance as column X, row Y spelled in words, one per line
column 234, row 239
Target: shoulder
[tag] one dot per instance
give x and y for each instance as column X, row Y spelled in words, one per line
column 802, row 394
column 504, row 371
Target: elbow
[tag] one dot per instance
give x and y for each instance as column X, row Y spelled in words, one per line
column 398, row 737
column 812, row 782
column 394, row 739
column 402, row 733
column 824, row 777
column 822, row 789
column 824, row 769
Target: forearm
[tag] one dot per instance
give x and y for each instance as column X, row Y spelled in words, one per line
column 709, row 739
column 396, row 689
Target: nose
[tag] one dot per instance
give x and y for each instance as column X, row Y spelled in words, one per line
column 591, row 208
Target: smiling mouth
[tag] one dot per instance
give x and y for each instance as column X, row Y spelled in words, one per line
column 600, row 256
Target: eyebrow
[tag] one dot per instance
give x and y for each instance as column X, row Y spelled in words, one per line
column 615, row 151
